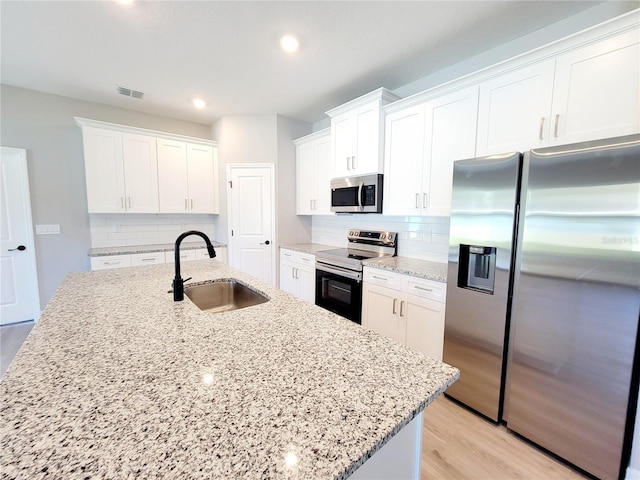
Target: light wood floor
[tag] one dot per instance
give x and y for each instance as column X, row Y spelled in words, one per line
column 11, row 338
column 458, row 444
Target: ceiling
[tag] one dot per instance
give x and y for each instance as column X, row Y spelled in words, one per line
column 228, row 54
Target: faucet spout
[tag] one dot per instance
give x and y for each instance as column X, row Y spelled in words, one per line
column 178, row 282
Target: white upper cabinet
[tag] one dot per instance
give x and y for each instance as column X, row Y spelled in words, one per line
column 513, row 111
column 187, row 177
column 421, row 143
column 120, row 171
column 357, row 132
column 596, row 91
column 588, row 93
column 313, row 174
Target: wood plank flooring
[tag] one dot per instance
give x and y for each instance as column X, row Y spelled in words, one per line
column 458, row 444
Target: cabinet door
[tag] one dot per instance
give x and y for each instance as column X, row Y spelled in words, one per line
column 104, row 171
column 403, row 161
column 201, row 178
column 424, row 325
column 322, row 205
column 514, row 110
column 366, row 154
column 288, row 281
column 306, row 279
column 172, row 176
column 140, row 173
column 596, row 92
column 342, row 134
column 450, row 124
column 305, row 178
column 379, row 311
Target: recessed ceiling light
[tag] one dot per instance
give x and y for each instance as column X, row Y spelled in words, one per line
column 289, row 43
column 199, row 103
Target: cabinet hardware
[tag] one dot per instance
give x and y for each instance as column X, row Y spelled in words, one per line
column 185, row 204
column 121, row 202
column 192, row 204
column 114, row 262
column 310, row 204
column 395, row 300
column 348, row 163
column 401, row 308
column 128, row 202
column 418, row 287
column 541, row 126
column 425, row 200
column 380, row 278
column 417, row 200
column 353, row 162
column 148, row 259
column 555, row 129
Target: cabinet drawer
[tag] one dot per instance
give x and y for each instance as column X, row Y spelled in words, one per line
column 112, row 261
column 147, row 258
column 185, row 256
column 421, row 287
column 298, row 257
column 383, row 278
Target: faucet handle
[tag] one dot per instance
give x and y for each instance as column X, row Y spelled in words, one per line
column 187, row 279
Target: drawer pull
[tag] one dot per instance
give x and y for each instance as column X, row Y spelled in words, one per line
column 148, row 259
column 113, row 262
column 379, row 278
column 395, row 300
column 418, row 287
column 401, row 308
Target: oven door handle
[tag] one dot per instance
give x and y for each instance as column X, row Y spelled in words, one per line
column 343, row 272
column 360, row 195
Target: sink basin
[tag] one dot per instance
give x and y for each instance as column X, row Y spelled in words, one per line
column 223, row 295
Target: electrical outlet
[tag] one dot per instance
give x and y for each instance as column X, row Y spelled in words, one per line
column 47, row 229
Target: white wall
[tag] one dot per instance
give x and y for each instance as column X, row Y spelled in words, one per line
column 43, row 124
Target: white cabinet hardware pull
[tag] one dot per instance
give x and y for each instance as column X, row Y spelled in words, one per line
column 555, row 129
column 185, row 204
column 128, row 202
column 287, row 254
column 541, row 126
column 395, row 300
column 310, row 204
column 425, row 200
column 418, row 287
column 379, row 278
column 114, row 262
column 121, row 202
column 417, row 200
column 148, row 259
column 353, row 162
column 192, row 204
column 401, row 308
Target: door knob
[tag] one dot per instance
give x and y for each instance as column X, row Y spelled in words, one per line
column 266, row 243
column 20, row 247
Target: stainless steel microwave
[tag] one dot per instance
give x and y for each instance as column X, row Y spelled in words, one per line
column 357, row 194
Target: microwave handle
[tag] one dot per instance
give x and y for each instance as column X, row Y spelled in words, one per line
column 360, row 195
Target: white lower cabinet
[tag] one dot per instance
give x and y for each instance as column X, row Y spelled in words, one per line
column 298, row 274
column 151, row 258
column 407, row 309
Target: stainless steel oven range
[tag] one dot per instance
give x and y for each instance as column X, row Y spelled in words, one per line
column 339, row 271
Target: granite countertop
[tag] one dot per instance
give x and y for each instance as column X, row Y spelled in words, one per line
column 411, row 266
column 308, row 247
column 159, row 247
column 118, row 381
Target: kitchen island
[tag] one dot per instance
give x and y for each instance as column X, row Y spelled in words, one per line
column 119, row 381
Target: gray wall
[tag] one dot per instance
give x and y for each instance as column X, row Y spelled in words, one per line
column 43, row 125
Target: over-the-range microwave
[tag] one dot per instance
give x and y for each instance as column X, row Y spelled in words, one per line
column 357, row 194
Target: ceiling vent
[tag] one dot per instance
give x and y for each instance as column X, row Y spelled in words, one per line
column 127, row 92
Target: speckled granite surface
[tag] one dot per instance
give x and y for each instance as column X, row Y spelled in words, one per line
column 160, row 247
column 411, row 266
column 118, row 381
column 308, row 247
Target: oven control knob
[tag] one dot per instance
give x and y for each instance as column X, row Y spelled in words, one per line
column 383, row 236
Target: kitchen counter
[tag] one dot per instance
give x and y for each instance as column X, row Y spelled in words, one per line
column 118, row 381
column 160, row 247
column 436, row 271
column 311, row 248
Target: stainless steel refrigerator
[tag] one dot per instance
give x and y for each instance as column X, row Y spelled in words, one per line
column 543, row 296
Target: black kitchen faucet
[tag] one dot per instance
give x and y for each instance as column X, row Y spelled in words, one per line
column 178, row 282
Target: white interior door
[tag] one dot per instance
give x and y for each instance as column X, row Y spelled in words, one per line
column 252, row 220
column 19, row 284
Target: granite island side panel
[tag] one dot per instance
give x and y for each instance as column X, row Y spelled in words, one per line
column 119, row 381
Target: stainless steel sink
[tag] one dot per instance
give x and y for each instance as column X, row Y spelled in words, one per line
column 223, row 295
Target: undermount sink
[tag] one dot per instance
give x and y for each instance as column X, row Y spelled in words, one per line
column 223, row 295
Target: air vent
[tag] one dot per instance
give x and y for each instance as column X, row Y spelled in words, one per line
column 127, row 92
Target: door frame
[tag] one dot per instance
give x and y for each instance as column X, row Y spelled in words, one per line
column 20, row 154
column 274, row 240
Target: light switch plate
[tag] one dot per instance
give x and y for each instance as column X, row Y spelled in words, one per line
column 47, row 229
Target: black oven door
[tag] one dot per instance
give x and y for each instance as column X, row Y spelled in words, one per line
column 340, row 291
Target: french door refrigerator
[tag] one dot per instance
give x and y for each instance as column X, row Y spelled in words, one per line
column 543, row 296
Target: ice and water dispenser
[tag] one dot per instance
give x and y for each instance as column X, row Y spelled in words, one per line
column 477, row 268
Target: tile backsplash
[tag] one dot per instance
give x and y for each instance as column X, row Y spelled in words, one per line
column 426, row 238
column 115, row 230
